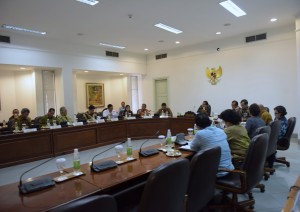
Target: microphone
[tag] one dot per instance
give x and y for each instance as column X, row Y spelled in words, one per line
column 38, row 184
column 105, row 165
column 148, row 152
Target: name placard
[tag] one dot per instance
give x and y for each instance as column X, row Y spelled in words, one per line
column 100, row 121
column 55, row 127
column 30, row 130
column 114, row 119
column 78, row 123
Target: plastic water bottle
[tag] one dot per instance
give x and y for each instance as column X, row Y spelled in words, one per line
column 48, row 122
column 76, row 162
column 129, row 148
column 4, row 123
column 167, row 114
column 16, row 126
column 195, row 129
column 169, row 139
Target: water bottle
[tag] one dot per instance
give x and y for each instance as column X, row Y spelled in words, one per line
column 4, row 123
column 167, row 114
column 169, row 139
column 76, row 162
column 16, row 126
column 48, row 122
column 195, row 129
column 129, row 148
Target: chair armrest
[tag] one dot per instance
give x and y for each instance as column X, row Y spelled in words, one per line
column 243, row 175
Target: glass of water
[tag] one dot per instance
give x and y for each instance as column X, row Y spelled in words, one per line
column 190, row 133
column 119, row 151
column 61, row 164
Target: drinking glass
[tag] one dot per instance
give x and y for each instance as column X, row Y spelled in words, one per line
column 190, row 133
column 162, row 139
column 61, row 164
column 119, row 151
column 173, row 139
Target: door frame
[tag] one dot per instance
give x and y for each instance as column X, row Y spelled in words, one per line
column 154, row 90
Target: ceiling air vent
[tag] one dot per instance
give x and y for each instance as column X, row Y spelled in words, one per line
column 256, row 37
column 112, row 54
column 161, row 56
column 4, row 39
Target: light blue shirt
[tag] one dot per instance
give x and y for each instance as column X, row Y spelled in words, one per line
column 211, row 137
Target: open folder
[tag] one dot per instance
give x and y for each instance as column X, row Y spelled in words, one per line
column 187, row 147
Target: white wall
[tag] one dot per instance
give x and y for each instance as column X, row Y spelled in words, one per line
column 262, row 72
column 115, row 89
column 17, row 90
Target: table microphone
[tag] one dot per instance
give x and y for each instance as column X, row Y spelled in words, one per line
column 38, row 184
column 105, row 165
column 148, row 152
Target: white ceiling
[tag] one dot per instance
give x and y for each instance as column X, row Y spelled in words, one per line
column 108, row 21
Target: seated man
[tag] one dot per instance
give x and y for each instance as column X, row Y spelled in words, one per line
column 110, row 113
column 63, row 117
column 237, row 135
column 254, row 121
column 204, row 108
column 207, row 137
column 164, row 110
column 13, row 119
column 48, row 119
column 144, row 111
column 90, row 115
column 235, row 106
column 244, row 111
column 24, row 119
column 265, row 115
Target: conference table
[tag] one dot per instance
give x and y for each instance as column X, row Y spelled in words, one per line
column 106, row 182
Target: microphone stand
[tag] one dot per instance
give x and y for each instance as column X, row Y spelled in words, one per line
column 148, row 152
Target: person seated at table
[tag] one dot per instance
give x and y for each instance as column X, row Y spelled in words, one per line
column 207, row 137
column 90, row 115
column 143, row 111
column 110, row 112
column 237, row 136
column 265, row 115
column 244, row 111
column 204, row 108
column 164, row 110
column 24, row 119
column 122, row 108
column 235, row 106
column 13, row 119
column 127, row 112
column 280, row 113
column 63, row 117
column 49, row 118
column 254, row 121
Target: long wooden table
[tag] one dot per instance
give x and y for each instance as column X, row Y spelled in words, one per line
column 105, row 182
column 22, row 148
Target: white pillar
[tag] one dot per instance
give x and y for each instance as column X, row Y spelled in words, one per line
column 297, row 130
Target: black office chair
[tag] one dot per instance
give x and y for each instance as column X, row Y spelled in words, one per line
column 284, row 143
column 105, row 203
column 244, row 180
column 204, row 168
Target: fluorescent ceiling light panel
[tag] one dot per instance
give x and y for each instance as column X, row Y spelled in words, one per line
column 233, row 8
column 89, row 2
column 168, row 28
column 113, row 46
column 22, row 29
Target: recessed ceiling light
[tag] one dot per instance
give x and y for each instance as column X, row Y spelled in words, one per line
column 218, row 33
column 273, row 19
column 168, row 28
column 233, row 8
column 22, row 68
column 86, row 71
column 227, row 24
column 146, row 49
column 177, row 42
column 113, row 46
column 22, row 29
column 89, row 2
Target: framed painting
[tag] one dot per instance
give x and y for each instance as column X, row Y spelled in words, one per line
column 95, row 94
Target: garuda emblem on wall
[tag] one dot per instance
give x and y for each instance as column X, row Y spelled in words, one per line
column 214, row 75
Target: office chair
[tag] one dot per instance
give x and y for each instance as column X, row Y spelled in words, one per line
column 105, row 203
column 204, row 168
column 284, row 143
column 244, row 180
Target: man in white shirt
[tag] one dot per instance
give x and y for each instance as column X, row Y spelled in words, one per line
column 110, row 112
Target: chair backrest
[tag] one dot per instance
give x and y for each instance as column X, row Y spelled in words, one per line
column 91, row 204
column 272, row 145
column 204, row 168
column 284, row 143
column 255, row 160
column 37, row 120
column 166, row 187
column 264, row 129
